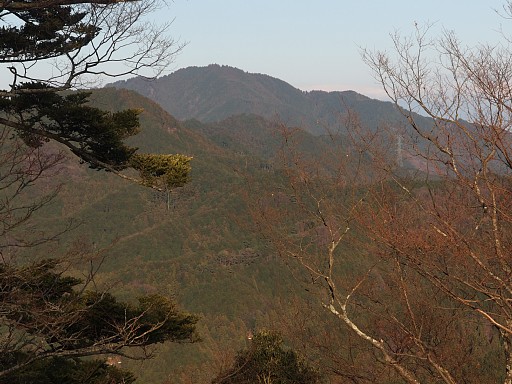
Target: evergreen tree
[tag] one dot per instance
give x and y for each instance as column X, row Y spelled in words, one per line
column 82, row 39
column 266, row 361
column 55, row 328
column 50, row 320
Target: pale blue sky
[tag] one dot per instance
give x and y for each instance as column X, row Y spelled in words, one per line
column 314, row 44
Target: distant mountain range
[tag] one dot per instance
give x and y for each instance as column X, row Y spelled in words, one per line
column 215, row 93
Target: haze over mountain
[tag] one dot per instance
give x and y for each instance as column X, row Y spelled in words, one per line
column 215, row 93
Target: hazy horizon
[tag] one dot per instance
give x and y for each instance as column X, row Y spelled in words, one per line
column 311, row 46
column 316, row 45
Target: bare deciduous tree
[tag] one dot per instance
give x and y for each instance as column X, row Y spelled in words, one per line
column 457, row 227
column 411, row 251
column 77, row 41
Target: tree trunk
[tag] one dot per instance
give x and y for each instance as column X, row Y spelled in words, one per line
column 507, row 348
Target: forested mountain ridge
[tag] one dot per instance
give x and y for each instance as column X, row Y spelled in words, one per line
column 215, row 93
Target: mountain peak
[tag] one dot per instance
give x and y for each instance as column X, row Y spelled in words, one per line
column 216, row 92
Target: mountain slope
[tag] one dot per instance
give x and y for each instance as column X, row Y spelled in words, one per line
column 214, row 93
column 204, row 250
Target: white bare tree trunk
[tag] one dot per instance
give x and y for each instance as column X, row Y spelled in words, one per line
column 507, row 349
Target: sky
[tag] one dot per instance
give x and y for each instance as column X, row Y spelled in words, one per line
column 316, row 44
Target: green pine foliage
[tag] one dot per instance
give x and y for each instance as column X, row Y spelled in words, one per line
column 171, row 170
column 94, row 135
column 58, row 370
column 43, row 307
column 46, row 32
column 268, row 361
